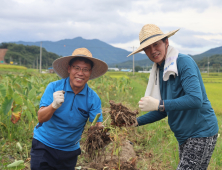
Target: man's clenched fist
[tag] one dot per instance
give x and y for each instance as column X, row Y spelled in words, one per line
column 58, row 99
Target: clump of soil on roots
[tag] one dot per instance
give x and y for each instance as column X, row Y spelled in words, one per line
column 121, row 115
column 100, row 146
column 97, row 139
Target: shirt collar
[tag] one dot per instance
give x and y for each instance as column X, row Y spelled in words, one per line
column 84, row 90
column 68, row 87
column 162, row 65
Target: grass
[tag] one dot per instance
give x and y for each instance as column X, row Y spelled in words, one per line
column 154, row 144
column 138, row 90
column 214, row 95
column 17, row 70
column 6, row 66
column 158, row 140
column 116, row 74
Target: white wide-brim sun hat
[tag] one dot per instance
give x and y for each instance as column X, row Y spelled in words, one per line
column 150, row 34
column 60, row 65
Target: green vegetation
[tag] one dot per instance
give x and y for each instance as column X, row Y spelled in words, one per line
column 146, row 64
column 117, row 74
column 215, row 63
column 212, row 78
column 12, row 67
column 27, row 55
column 214, row 95
column 154, row 144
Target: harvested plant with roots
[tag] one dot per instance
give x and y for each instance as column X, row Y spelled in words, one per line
column 121, row 115
column 97, row 138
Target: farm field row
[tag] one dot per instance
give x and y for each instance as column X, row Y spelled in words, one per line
column 154, row 144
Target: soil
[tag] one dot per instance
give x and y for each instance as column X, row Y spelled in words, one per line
column 121, row 115
column 127, row 158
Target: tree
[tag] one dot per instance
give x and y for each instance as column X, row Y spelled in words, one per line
column 138, row 68
column 216, row 67
column 27, row 55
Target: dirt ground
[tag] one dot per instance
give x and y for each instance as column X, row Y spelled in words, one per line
column 126, row 159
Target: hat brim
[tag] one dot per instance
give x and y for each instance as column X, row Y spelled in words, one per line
column 60, row 66
column 151, row 41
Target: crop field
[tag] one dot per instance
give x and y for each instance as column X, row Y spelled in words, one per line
column 155, row 145
column 117, row 74
column 11, row 67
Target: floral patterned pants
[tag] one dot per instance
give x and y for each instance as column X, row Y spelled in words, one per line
column 195, row 153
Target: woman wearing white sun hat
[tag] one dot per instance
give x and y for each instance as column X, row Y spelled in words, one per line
column 175, row 89
column 64, row 109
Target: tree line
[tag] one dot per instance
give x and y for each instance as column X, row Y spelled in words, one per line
column 215, row 62
column 27, row 56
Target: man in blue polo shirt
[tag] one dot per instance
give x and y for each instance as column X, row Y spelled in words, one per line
column 64, row 110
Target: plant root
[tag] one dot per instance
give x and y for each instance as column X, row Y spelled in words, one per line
column 97, row 139
column 121, row 115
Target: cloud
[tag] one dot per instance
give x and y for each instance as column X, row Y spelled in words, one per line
column 55, row 20
column 211, row 37
column 129, row 46
column 186, row 41
column 190, row 39
column 174, row 5
column 112, row 21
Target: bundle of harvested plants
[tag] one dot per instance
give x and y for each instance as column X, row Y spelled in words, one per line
column 121, row 115
column 97, row 138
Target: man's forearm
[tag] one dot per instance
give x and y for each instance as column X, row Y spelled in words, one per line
column 45, row 113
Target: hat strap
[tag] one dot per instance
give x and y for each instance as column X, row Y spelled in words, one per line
column 150, row 37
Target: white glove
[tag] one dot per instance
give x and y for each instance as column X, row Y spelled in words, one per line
column 58, row 99
column 148, row 104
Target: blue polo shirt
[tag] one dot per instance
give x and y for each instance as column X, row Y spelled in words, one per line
column 186, row 103
column 63, row 131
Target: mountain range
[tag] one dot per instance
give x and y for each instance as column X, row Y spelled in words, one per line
column 213, row 51
column 99, row 49
column 111, row 55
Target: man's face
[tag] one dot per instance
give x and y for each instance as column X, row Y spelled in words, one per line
column 78, row 78
column 157, row 51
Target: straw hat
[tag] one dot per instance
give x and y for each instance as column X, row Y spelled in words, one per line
column 150, row 34
column 60, row 65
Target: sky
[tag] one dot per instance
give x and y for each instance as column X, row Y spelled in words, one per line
column 116, row 22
